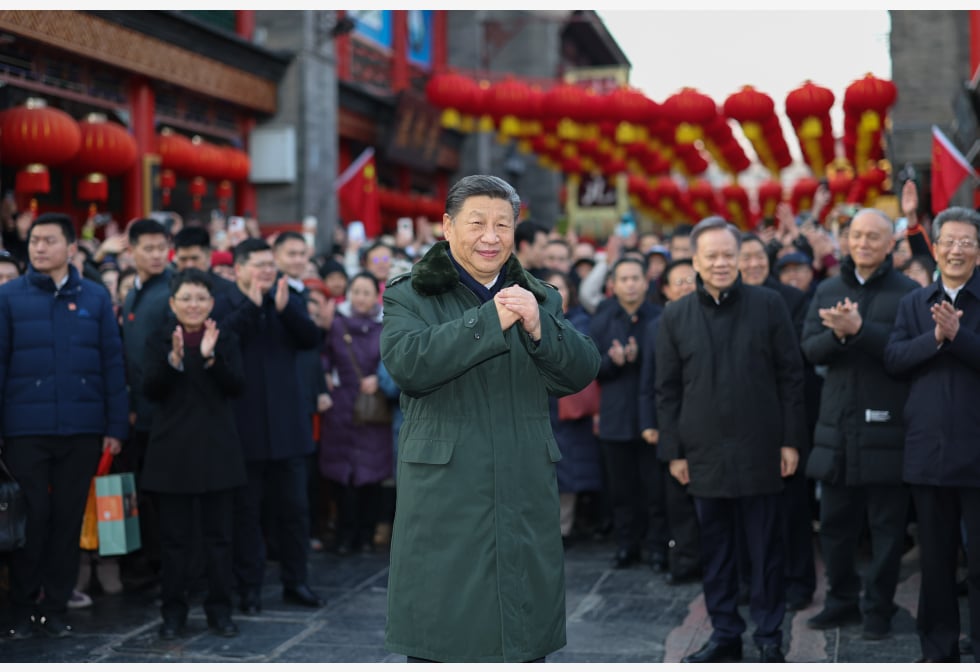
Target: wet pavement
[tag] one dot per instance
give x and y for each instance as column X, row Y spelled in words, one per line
column 622, row 616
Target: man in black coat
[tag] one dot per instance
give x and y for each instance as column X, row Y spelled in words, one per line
column 858, row 441
column 635, row 474
column 936, row 343
column 730, row 408
column 274, row 428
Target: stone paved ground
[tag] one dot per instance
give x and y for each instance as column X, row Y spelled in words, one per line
column 624, row 616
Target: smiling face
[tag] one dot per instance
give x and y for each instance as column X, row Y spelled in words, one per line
column 753, row 262
column 869, row 240
column 481, row 236
column 363, row 295
column 716, row 260
column 191, row 303
column 956, row 252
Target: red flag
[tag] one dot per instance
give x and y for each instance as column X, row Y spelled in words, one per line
column 949, row 169
column 357, row 190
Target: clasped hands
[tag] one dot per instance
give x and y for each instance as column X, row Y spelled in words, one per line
column 516, row 304
column 620, row 354
column 947, row 320
column 843, row 319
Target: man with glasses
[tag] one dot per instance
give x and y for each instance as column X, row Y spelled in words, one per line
column 859, row 438
column 274, row 429
column 936, row 343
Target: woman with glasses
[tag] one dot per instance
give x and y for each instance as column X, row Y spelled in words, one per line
column 194, row 459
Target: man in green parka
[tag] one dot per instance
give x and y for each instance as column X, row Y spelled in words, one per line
column 476, row 345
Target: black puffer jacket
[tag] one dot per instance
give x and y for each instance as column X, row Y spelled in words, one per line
column 859, row 436
column 729, row 389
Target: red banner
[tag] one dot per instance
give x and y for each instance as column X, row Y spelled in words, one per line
column 357, row 191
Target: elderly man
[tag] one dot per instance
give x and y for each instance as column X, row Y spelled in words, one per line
column 936, row 342
column 476, row 345
column 858, row 440
column 729, row 388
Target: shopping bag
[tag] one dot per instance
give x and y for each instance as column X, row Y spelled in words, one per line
column 115, row 505
column 90, row 521
column 13, row 512
column 582, row 404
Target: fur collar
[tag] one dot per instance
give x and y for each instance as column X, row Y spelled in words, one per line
column 435, row 274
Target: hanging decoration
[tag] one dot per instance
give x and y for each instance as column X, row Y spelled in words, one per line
column 866, row 105
column 107, row 149
column 35, row 137
column 808, row 108
column 769, row 195
column 756, row 113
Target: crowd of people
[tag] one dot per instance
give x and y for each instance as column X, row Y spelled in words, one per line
column 752, row 391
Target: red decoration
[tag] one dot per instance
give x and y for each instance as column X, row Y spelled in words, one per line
column 866, row 104
column 107, row 149
column 176, row 151
column 37, row 136
column 454, row 93
column 801, row 197
column 808, row 107
column 737, row 202
column 756, row 112
column 93, row 187
column 702, row 199
column 770, row 194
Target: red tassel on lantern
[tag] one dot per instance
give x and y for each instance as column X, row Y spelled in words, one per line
column 198, row 189
column 93, row 187
column 33, row 179
column 224, row 190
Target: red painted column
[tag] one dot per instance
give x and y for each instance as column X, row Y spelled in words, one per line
column 974, row 41
column 142, row 109
column 399, row 50
column 245, row 23
column 246, row 200
column 440, row 22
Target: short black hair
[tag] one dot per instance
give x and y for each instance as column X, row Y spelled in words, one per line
column 191, row 276
column 682, row 230
column 7, row 258
column 192, row 236
column 367, row 276
column 285, row 237
column 372, row 247
column 527, row 231
column 58, row 218
column 245, row 249
column 628, row 260
column 145, row 227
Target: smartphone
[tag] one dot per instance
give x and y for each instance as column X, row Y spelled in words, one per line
column 405, row 227
column 236, row 224
column 355, row 232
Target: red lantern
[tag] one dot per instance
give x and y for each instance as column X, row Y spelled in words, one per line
column 690, row 110
column 756, row 112
column 107, row 149
column 769, row 196
column 512, row 104
column 176, row 152
column 236, row 164
column 808, row 107
column 36, row 136
column 454, row 93
column 866, row 103
column 737, row 202
column 801, row 197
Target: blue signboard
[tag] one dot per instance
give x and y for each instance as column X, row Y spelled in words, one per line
column 420, row 36
column 374, row 24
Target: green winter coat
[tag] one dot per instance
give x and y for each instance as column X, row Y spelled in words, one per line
column 477, row 567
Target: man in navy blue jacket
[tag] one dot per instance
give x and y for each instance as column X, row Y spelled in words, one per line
column 63, row 400
column 936, row 343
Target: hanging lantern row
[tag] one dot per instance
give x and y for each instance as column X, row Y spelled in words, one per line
column 574, row 130
column 866, row 105
column 35, row 137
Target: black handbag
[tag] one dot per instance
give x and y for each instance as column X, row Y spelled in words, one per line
column 13, row 512
column 369, row 409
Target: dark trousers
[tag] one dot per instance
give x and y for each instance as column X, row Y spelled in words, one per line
column 720, row 519
column 55, row 473
column 682, row 521
column 801, row 572
column 636, row 489
column 284, row 482
column 179, row 515
column 843, row 510
column 939, row 511
column 358, row 509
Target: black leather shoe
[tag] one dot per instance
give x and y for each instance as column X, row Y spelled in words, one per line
column 625, row 557
column 771, row 653
column 835, row 618
column 223, row 627
column 53, row 626
column 250, row 603
column 680, row 578
column 716, row 652
column 23, row 628
column 302, row 595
